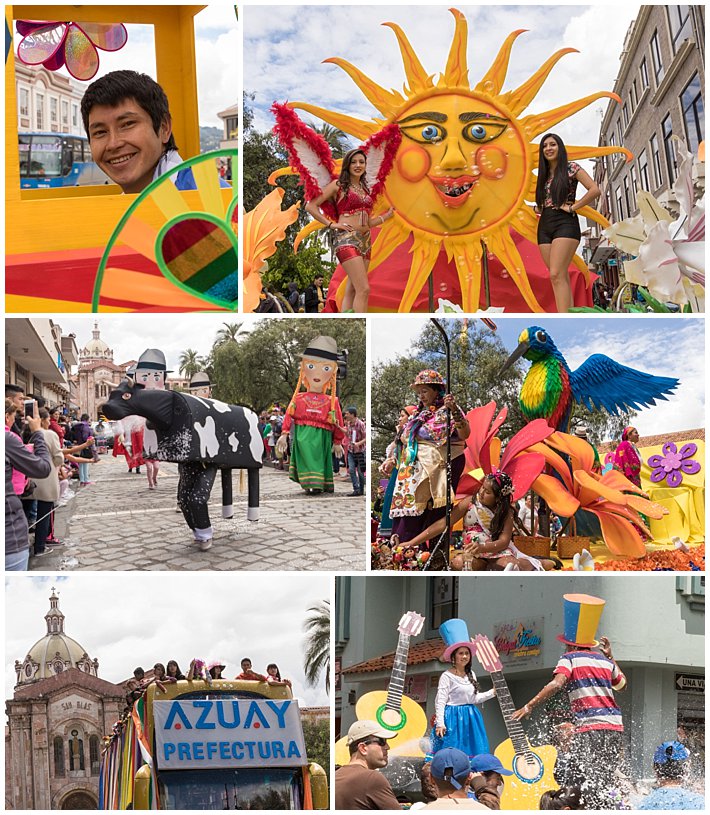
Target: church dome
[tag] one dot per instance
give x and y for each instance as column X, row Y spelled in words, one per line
column 55, row 652
column 96, row 348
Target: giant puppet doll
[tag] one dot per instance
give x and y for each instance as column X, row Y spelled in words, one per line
column 128, row 436
column 151, row 371
column 314, row 421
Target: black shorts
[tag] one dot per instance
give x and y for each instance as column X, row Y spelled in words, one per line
column 556, row 223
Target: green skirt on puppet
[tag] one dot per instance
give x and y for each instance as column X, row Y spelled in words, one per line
column 311, row 458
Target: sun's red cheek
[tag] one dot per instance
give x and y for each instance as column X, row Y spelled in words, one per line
column 413, row 163
column 492, row 161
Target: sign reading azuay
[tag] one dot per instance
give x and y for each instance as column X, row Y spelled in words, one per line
column 207, row 733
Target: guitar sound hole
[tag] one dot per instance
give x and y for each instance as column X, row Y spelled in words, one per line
column 391, row 719
column 528, row 767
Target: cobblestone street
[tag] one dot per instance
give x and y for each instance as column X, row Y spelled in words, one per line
column 118, row 524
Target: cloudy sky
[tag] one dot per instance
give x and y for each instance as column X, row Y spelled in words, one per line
column 139, row 619
column 664, row 346
column 217, row 58
column 284, row 47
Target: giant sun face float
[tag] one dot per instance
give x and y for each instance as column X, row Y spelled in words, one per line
column 465, row 169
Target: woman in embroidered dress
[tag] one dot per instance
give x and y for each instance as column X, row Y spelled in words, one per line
column 558, row 232
column 487, row 530
column 353, row 200
column 627, row 459
column 419, row 496
column 314, row 420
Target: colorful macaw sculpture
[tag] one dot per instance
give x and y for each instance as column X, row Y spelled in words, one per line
column 550, row 387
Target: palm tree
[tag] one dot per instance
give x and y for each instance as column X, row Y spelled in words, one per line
column 337, row 139
column 229, row 333
column 190, row 362
column 317, row 655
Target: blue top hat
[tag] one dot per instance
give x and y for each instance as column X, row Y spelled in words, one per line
column 455, row 635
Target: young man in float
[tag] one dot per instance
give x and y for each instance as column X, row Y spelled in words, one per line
column 590, row 678
column 130, row 131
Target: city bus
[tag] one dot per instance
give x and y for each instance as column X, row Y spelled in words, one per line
column 56, row 160
column 223, row 745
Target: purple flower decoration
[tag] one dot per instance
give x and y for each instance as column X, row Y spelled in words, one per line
column 672, row 464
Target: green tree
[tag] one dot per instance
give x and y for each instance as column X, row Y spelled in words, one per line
column 338, row 141
column 301, row 267
column 316, row 733
column 190, row 362
column 228, row 333
column 316, row 659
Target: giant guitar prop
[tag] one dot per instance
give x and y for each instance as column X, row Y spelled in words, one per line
column 532, row 766
column 391, row 709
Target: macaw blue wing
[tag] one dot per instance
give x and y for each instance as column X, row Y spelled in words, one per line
column 600, row 382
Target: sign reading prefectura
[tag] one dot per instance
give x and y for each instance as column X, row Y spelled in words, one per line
column 208, row 733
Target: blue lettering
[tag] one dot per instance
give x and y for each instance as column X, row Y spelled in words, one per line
column 198, row 750
column 201, row 723
column 250, row 745
column 211, row 749
column 293, row 751
column 255, row 712
column 264, row 749
column 238, row 750
column 280, row 710
column 168, row 749
column 235, row 711
column 224, row 750
column 177, row 711
column 278, row 749
column 183, row 750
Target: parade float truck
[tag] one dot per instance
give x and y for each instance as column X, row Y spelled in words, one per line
column 225, row 745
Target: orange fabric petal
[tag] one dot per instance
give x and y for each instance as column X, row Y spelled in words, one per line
column 559, row 499
column 650, row 508
column 577, row 449
column 620, row 536
column 555, row 461
column 595, row 484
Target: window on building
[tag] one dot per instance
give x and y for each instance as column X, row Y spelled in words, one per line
column 656, row 156
column 98, row 395
column 643, row 69
column 619, row 132
column 627, row 195
column 94, row 754
column 681, row 30
column 58, row 757
column 53, row 110
column 76, row 751
column 75, row 115
column 619, row 205
column 643, row 171
column 634, row 95
column 693, row 112
column 669, row 148
column 65, row 113
column 625, row 114
column 24, row 102
column 634, row 185
column 658, row 70
column 39, row 111
column 444, row 601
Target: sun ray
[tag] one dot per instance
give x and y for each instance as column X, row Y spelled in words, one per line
column 456, row 73
column 467, row 257
column 581, row 264
column 526, row 224
column 417, row 77
column 348, row 124
column 503, row 247
column 493, row 81
column 388, row 239
column 387, row 102
column 574, row 152
column 536, row 124
column 424, row 255
column 523, row 95
column 307, row 230
column 593, row 215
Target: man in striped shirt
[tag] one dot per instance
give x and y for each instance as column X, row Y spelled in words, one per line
column 590, row 678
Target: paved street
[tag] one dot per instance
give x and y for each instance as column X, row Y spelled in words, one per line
column 118, row 524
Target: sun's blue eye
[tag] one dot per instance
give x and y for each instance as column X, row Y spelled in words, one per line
column 431, row 133
column 478, row 132
column 481, row 132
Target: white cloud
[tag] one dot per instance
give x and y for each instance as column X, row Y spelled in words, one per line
column 137, row 619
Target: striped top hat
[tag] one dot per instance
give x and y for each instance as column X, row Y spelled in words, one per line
column 200, row 380
column 582, row 613
column 455, row 635
column 322, row 347
column 154, row 359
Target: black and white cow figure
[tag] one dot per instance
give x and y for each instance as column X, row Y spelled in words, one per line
column 202, row 436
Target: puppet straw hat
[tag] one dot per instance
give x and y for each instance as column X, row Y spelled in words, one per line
column 154, row 359
column 582, row 613
column 322, row 347
column 455, row 635
column 200, row 380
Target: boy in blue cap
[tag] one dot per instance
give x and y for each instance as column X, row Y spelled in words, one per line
column 670, row 763
column 451, row 771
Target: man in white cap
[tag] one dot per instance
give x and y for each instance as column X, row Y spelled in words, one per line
column 358, row 785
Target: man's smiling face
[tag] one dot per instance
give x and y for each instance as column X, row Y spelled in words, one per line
column 125, row 145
